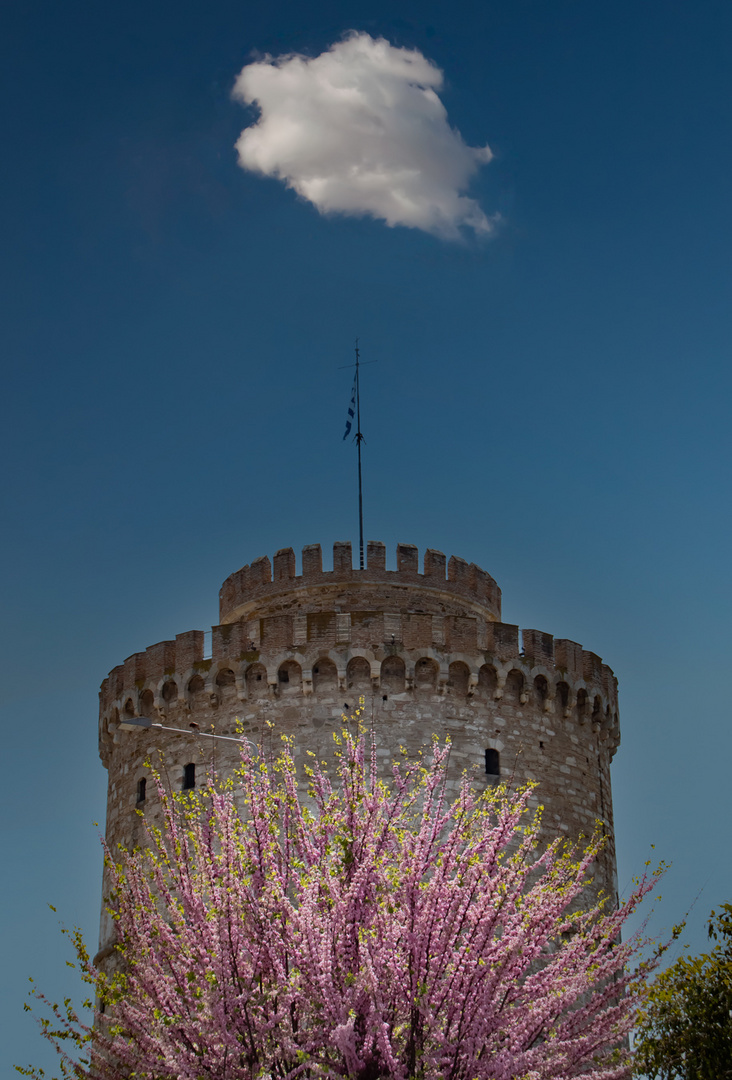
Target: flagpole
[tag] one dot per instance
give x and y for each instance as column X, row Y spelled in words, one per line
column 359, row 440
column 354, row 409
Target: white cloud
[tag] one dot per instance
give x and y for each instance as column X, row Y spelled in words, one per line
column 360, row 130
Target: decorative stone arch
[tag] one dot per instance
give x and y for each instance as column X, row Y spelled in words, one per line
column 487, row 682
column 147, row 703
column 369, row 657
column 426, row 674
column 597, row 709
column 459, row 678
column 129, row 708
column 562, row 694
column 195, row 688
column 289, row 677
column 255, row 679
column 470, row 662
column 225, row 678
column 169, row 693
column 358, row 674
column 325, row 675
column 540, row 690
column 513, row 693
column 393, row 675
column 608, row 722
column 581, row 704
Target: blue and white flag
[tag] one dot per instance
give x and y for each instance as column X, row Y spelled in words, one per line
column 351, row 411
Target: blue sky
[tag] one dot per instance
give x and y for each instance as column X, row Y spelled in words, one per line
column 550, row 401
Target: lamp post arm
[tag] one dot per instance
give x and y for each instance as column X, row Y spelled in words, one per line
column 134, row 723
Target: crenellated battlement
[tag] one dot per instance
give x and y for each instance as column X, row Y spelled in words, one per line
column 467, row 656
column 234, row 642
column 264, row 585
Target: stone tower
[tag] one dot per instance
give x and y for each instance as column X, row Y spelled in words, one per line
column 427, row 651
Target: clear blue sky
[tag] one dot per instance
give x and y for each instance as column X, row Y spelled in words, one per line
column 551, row 401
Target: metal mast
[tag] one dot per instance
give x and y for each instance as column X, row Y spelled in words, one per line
column 355, row 404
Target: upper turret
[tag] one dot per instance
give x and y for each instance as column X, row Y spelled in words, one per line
column 445, row 587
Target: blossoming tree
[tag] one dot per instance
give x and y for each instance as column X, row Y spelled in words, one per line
column 369, row 930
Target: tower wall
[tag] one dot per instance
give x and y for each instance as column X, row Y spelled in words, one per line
column 427, row 652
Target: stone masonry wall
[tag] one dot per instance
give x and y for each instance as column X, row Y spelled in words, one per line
column 426, row 659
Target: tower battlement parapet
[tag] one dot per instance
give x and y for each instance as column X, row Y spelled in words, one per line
column 262, row 585
column 477, row 659
column 380, row 633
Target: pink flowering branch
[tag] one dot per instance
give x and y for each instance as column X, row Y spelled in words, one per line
column 369, row 930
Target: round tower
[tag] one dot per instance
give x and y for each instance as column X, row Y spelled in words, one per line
column 428, row 653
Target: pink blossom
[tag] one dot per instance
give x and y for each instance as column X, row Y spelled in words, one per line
column 370, row 930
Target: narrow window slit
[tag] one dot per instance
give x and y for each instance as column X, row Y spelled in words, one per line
column 492, row 763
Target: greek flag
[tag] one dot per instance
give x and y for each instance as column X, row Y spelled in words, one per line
column 351, row 411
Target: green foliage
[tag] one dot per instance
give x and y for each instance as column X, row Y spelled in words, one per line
column 685, row 1032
